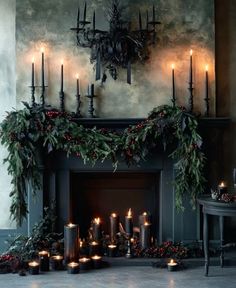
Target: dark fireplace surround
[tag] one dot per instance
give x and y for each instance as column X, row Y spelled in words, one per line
column 82, row 191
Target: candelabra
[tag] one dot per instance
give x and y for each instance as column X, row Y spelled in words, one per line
column 119, row 46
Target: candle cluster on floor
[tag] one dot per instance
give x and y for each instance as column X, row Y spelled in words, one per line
column 91, row 94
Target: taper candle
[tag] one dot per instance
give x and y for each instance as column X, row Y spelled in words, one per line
column 129, row 223
column 140, row 20
column 77, row 84
column 94, row 21
column 207, row 92
column 114, row 226
column 191, row 67
column 32, row 82
column 85, row 10
column 71, row 242
column 97, row 232
column 173, row 85
column 62, row 75
column 43, row 83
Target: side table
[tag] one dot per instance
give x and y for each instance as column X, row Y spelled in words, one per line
column 217, row 208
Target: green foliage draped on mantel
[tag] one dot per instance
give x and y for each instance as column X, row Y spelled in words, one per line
column 24, row 131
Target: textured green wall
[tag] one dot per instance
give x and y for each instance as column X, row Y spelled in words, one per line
column 185, row 25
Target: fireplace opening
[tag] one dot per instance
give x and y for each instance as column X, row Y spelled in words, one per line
column 98, row 194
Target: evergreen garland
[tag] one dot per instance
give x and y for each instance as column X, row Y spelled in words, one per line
column 24, row 131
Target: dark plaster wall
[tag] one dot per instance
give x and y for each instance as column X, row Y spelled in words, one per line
column 185, row 25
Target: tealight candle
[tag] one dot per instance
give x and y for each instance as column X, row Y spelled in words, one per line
column 33, row 268
column 172, row 265
column 73, row 268
column 44, row 260
column 112, row 250
column 56, row 262
column 94, row 248
column 85, row 264
column 97, row 261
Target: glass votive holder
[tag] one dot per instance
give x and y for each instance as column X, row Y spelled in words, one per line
column 97, row 261
column 33, row 268
column 73, row 268
column 56, row 262
column 43, row 260
column 172, row 265
column 112, row 250
column 85, row 264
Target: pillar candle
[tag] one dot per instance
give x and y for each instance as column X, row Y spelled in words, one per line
column 145, row 235
column 94, row 248
column 71, row 242
column 114, row 226
column 44, row 261
column 73, row 268
column 33, row 268
column 84, row 264
column 56, row 262
column 222, row 188
column 43, row 84
column 172, row 265
column 97, row 261
column 97, row 229
column 129, row 223
column 112, row 250
column 144, row 217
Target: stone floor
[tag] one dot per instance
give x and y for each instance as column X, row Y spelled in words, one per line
column 128, row 277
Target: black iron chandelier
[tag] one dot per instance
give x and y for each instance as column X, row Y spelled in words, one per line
column 119, row 46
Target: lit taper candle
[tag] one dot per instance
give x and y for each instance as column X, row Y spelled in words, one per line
column 173, row 85
column 129, row 223
column 207, row 92
column 62, row 75
column 191, row 82
column 43, row 83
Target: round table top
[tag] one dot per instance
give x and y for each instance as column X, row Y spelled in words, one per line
column 207, row 200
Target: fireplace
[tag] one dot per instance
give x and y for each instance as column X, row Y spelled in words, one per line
column 98, row 194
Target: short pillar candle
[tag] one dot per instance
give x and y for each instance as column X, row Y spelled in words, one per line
column 56, row 262
column 172, row 265
column 33, row 268
column 97, row 261
column 71, row 242
column 94, row 248
column 44, row 261
column 73, row 268
column 84, row 264
column 112, row 250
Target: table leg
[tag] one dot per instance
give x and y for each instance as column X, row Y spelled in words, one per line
column 221, row 222
column 206, row 242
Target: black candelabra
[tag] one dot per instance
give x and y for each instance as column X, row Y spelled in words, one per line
column 119, row 46
column 90, row 97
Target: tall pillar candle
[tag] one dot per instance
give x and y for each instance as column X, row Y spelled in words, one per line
column 97, row 231
column 44, row 261
column 71, row 242
column 129, row 223
column 114, row 226
column 145, row 235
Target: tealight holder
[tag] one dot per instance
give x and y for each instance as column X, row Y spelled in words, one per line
column 56, row 262
column 73, row 268
column 43, row 261
column 85, row 264
column 112, row 250
column 172, row 265
column 97, row 261
column 33, row 268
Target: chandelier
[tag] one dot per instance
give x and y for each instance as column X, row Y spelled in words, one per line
column 120, row 46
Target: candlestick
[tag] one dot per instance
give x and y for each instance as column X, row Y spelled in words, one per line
column 191, row 82
column 114, row 226
column 33, row 268
column 44, row 261
column 91, row 108
column 32, row 85
column 97, row 232
column 145, row 235
column 173, row 85
column 207, row 94
column 56, row 262
column 129, row 223
column 172, row 265
column 84, row 264
column 61, row 93
column 73, row 268
column 43, row 84
column 71, row 242
column 97, row 261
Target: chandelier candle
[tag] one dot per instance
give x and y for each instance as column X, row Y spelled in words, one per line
column 173, row 85
column 32, row 84
column 191, row 82
column 114, row 226
column 33, row 268
column 145, row 235
column 43, row 83
column 71, row 242
column 44, row 261
column 129, row 223
column 207, row 93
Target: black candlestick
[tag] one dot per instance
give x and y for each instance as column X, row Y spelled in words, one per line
column 32, row 86
column 191, row 83
column 78, row 114
column 91, row 108
column 207, row 94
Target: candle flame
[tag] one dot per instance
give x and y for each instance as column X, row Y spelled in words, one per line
column 77, row 76
column 42, row 49
column 173, row 66
column 132, row 240
column 191, row 52
column 33, row 264
column 71, row 225
column 112, row 246
column 129, row 213
column 172, row 261
column 222, row 184
column 73, row 264
column 62, row 61
column 84, row 259
column 144, row 213
column 96, row 257
column 97, row 220
column 43, row 253
column 206, row 67
column 113, row 215
column 94, row 243
column 33, row 59
column 57, row 257
column 146, row 224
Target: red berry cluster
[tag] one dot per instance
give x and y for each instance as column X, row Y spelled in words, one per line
column 6, row 257
column 53, row 114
